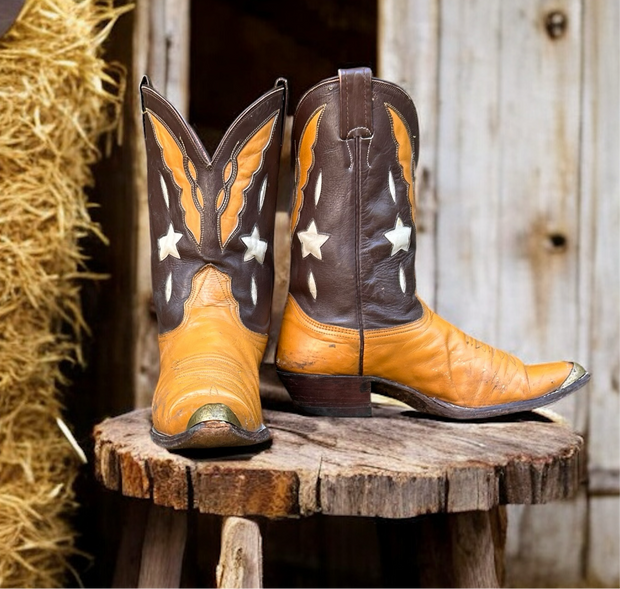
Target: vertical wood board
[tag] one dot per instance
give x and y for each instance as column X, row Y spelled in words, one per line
column 161, row 50
column 469, row 152
column 600, row 224
column 409, row 57
column 600, row 281
column 546, row 543
column 603, row 558
column 507, row 184
column 539, row 119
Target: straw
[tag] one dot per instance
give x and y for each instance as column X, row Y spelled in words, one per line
column 57, row 99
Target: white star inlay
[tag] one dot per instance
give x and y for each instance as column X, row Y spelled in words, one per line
column 391, row 185
column 168, row 288
column 261, row 194
column 256, row 247
column 317, row 188
column 312, row 241
column 399, row 237
column 312, row 285
column 253, row 290
column 168, row 244
column 164, row 191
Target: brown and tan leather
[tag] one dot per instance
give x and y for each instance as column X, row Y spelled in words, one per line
column 212, row 300
column 310, row 347
column 355, row 207
column 211, row 196
column 429, row 355
column 211, row 357
column 356, row 137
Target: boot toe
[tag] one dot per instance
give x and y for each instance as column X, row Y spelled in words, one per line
column 552, row 376
column 223, row 422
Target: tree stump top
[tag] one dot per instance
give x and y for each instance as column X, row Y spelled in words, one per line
column 396, row 464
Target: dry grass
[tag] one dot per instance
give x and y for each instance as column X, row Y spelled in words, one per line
column 57, row 98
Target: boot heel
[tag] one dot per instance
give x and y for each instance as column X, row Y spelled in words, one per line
column 330, row 396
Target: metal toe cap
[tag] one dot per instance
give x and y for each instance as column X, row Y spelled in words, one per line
column 574, row 375
column 213, row 412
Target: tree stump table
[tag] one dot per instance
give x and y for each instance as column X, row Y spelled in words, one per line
column 398, row 464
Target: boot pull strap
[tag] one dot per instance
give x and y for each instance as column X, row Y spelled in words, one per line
column 355, row 102
column 283, row 83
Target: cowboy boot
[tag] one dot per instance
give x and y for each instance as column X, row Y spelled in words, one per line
column 353, row 322
column 211, row 223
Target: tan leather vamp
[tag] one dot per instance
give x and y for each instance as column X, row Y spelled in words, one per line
column 310, row 347
column 211, row 357
column 429, row 355
column 439, row 360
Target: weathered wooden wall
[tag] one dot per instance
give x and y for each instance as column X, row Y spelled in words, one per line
column 519, row 217
column 161, row 49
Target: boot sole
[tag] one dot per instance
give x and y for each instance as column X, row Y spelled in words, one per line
column 349, row 396
column 211, row 434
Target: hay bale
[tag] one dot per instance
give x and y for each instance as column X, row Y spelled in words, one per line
column 57, row 98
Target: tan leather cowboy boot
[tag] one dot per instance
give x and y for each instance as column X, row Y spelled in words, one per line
column 353, row 322
column 212, row 221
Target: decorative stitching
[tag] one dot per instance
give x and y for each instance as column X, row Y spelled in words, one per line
column 210, row 161
column 426, row 316
column 299, row 193
column 396, row 149
column 411, row 135
column 191, row 181
column 229, row 297
column 356, row 129
column 202, row 152
column 352, row 333
column 274, row 115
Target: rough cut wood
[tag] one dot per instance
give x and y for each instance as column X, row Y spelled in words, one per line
column 397, row 464
column 129, row 553
column 163, row 548
column 241, row 556
column 442, row 550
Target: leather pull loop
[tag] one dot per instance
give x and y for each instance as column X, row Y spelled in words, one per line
column 355, row 102
column 283, row 83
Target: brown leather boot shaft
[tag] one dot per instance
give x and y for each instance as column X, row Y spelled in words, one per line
column 355, row 143
column 215, row 210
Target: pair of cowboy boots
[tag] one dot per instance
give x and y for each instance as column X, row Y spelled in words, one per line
column 353, row 322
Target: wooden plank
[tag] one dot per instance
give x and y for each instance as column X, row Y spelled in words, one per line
column 462, row 549
column 603, row 481
column 241, row 557
column 600, row 282
column 500, row 174
column 539, row 308
column 160, row 50
column 545, row 544
column 600, row 214
column 409, row 56
column 538, row 237
column 472, row 555
column 469, row 152
column 603, row 564
column 395, row 465
column 129, row 554
column 163, row 549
